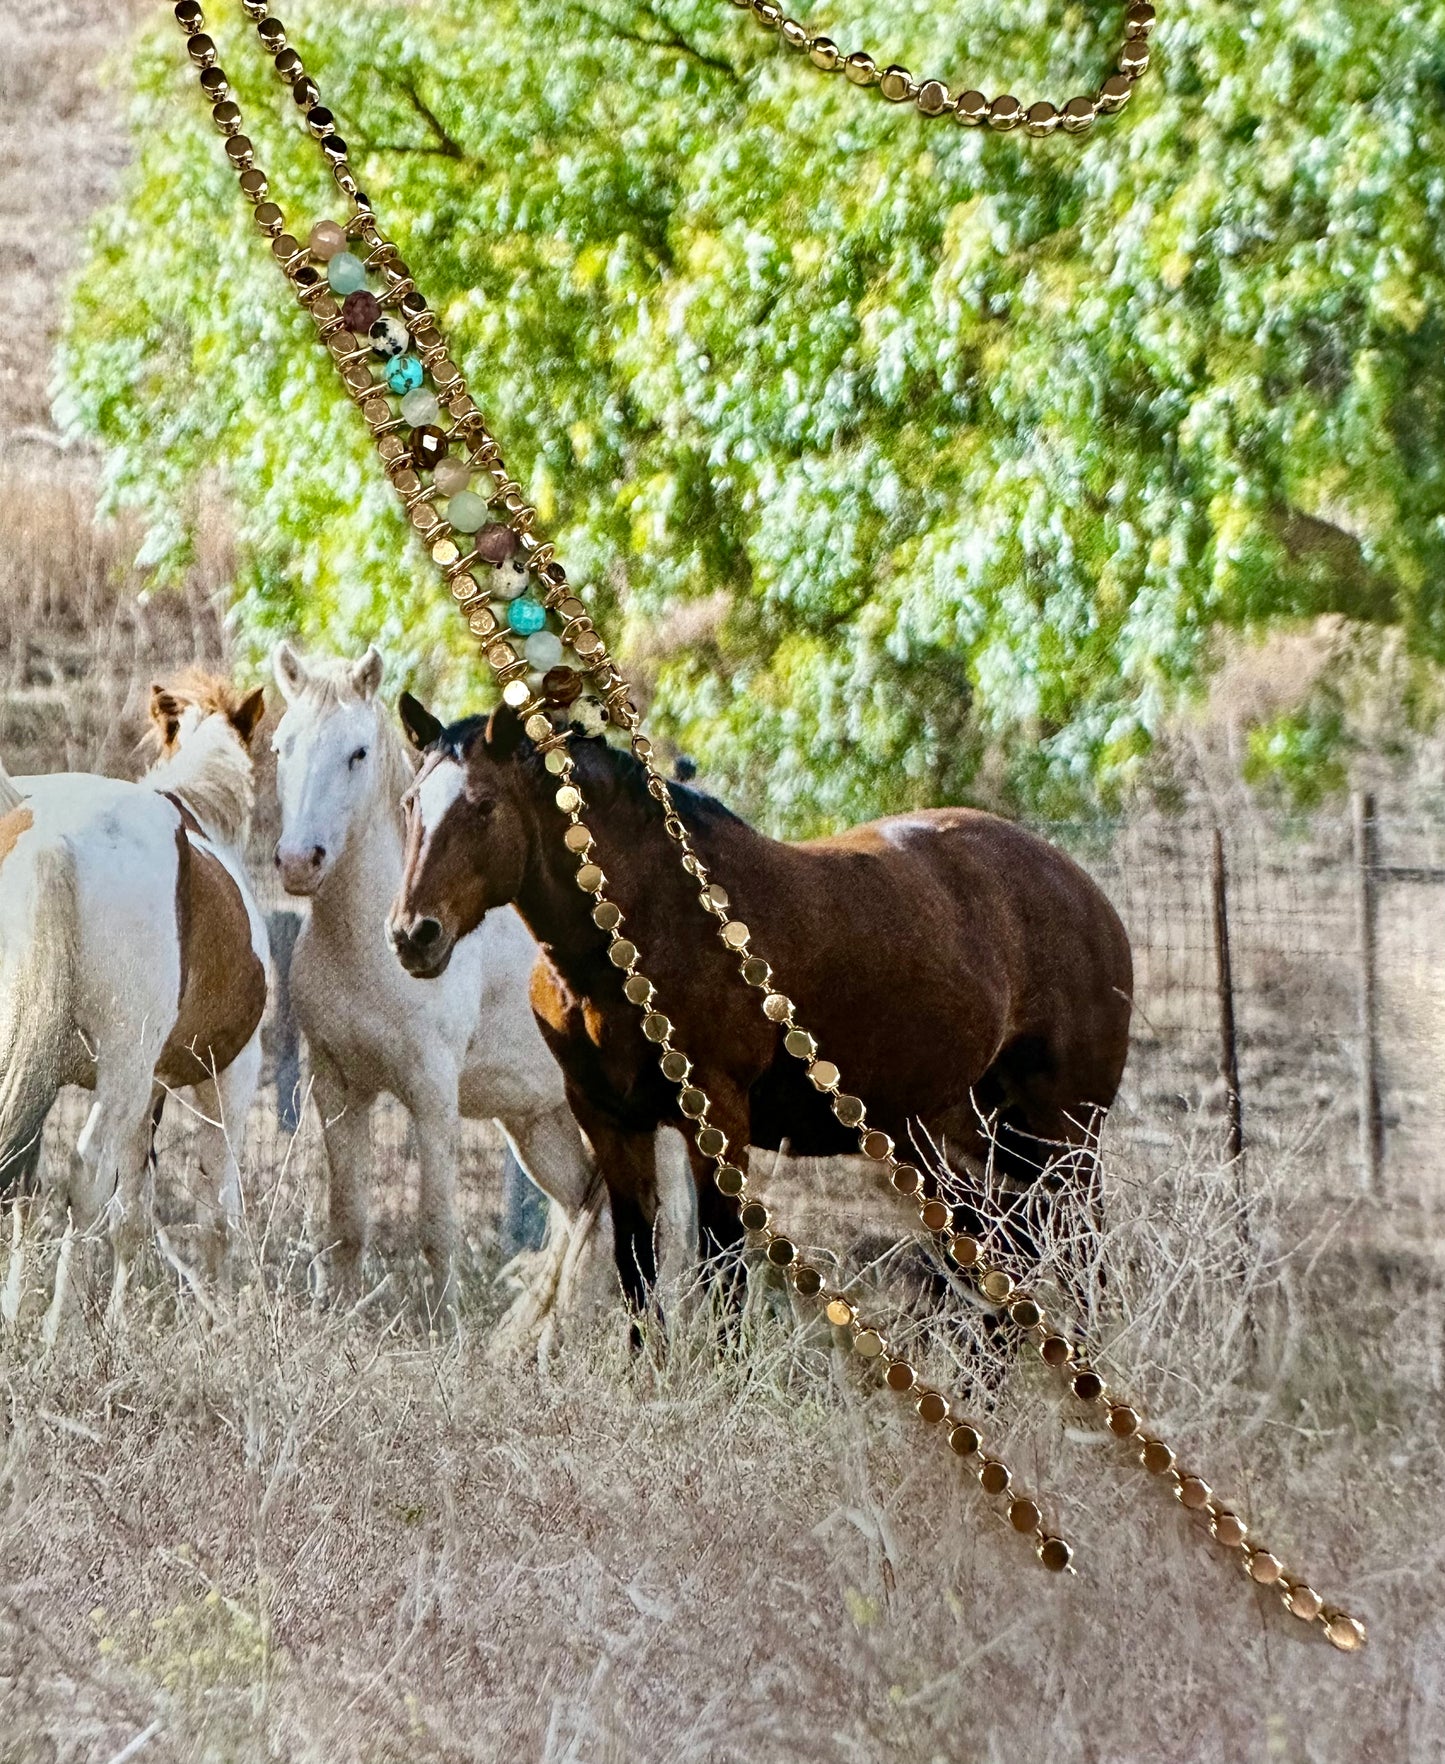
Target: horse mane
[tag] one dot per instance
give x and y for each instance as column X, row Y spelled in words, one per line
column 329, row 682
column 213, row 775
column 600, row 767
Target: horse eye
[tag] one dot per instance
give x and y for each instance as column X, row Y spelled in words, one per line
column 356, row 758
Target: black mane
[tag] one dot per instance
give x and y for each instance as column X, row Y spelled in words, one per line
column 597, row 760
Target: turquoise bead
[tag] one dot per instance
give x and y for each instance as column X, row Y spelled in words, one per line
column 526, row 616
column 404, row 373
column 346, row 273
column 466, row 511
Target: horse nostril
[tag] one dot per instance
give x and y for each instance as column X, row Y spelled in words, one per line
column 318, row 856
column 425, row 933
column 276, row 855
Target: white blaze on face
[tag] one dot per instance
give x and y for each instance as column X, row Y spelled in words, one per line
column 438, row 791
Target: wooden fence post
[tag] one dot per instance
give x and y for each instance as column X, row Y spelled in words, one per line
column 1372, row 1133
column 1224, row 977
column 283, row 927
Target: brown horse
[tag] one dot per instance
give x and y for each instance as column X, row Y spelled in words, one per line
column 963, row 974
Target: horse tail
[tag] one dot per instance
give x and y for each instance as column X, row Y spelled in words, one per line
column 10, row 797
column 37, row 973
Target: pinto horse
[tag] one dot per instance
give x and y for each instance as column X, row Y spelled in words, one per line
column 965, row 976
column 133, row 958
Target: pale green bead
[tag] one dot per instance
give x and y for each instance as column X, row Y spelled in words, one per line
column 346, row 273
column 420, row 407
column 466, row 511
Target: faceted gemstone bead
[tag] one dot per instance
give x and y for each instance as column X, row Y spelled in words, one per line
column 326, row 240
column 346, row 273
column 562, row 685
column 543, row 648
column 403, row 373
column 466, row 511
column 428, row 447
column 361, row 310
column 420, row 406
column 453, row 475
column 525, row 615
column 389, row 336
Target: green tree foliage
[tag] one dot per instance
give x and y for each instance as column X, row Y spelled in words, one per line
column 892, row 448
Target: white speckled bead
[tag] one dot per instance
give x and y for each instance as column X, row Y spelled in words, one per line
column 509, row 578
column 389, row 336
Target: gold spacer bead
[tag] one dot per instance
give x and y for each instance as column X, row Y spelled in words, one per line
column 1228, row 1528
column 932, row 1407
column 777, row 1007
column 730, row 1180
column 767, row 14
column 994, row 1477
column 861, row 68
column 900, row 1376
column 896, row 85
column 933, row 97
column 824, row 53
column 1156, row 1457
column 1078, row 115
column 997, row 1285
column 189, row 17
column 869, row 1344
column 964, row 1440
column 906, row 1179
column 795, row 35
column 1005, row 112
column 1193, row 1492
column 936, row 1215
column 202, row 50
column 806, row 1279
column 800, row 1044
column 1055, row 1554
column 840, row 1312
column 1134, row 57
column 1024, row 1515
column 971, row 109
column 1345, row 1633
column 1139, row 19
column 1114, row 93
column 824, row 1074
column 848, row 1109
column 1041, row 118
column 1263, row 1567
column 1303, row 1602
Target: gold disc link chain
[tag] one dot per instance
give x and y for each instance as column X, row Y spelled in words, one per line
column 968, row 107
column 1058, row 1350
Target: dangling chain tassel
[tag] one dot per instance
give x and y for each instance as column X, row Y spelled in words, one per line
column 402, row 337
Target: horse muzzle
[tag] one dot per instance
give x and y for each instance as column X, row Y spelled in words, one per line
column 422, row 945
column 301, row 871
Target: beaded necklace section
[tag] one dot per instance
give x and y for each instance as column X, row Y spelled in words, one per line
column 554, row 669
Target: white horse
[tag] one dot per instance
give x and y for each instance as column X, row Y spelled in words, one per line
column 133, row 961
column 467, row 1045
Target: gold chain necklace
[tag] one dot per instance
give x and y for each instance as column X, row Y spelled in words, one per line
column 402, row 339
column 971, row 108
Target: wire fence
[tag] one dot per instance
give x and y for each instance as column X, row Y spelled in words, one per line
column 1289, row 988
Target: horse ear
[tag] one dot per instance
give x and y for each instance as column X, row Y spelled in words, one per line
column 504, row 732
column 165, row 706
column 246, row 718
column 422, row 728
column 289, row 669
column 366, row 675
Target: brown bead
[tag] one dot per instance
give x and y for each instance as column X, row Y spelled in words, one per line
column 1088, row 1386
column 993, row 1476
column 781, row 1252
column 807, row 1280
column 428, row 446
column 562, row 685
column 900, row 1375
column 361, row 310
column 1024, row 1514
column 877, row 1146
column 1123, row 1421
column 1055, row 1350
column 906, row 1179
column 936, row 1215
column 964, row 1440
column 932, row 1407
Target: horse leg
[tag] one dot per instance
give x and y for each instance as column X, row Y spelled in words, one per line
column 346, row 1128
column 627, row 1161
column 575, row 1273
column 431, row 1096
column 108, row 1172
column 675, row 1229
column 224, row 1102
